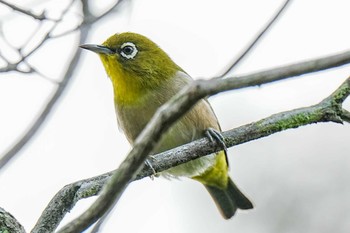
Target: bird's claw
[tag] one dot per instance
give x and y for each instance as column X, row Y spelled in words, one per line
column 214, row 135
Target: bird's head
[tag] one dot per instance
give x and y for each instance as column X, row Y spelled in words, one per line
column 134, row 58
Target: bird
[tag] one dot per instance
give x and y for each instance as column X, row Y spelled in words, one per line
column 144, row 77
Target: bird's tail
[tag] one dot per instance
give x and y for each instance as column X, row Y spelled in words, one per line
column 229, row 199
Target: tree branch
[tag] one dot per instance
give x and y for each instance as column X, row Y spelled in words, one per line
column 46, row 111
column 14, row 66
column 178, row 106
column 252, row 44
column 330, row 109
column 345, row 115
column 10, row 153
column 90, row 18
column 8, row 223
column 25, row 12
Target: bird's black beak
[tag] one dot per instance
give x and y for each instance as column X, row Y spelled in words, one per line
column 100, row 49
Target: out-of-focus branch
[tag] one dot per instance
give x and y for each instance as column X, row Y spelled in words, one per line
column 7, row 156
column 86, row 23
column 15, row 66
column 90, row 18
column 8, row 223
column 252, row 44
column 328, row 110
column 176, row 108
column 25, row 12
column 45, row 112
column 112, row 8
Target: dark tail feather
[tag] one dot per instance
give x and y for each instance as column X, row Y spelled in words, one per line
column 229, row 200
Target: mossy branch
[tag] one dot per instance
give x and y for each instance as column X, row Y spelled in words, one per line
column 9, row 224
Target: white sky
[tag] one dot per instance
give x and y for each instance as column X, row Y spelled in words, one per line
column 297, row 179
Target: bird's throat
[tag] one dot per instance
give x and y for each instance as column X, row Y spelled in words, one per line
column 128, row 90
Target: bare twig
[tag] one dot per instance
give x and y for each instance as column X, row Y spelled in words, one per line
column 111, row 9
column 25, row 12
column 46, row 111
column 14, row 66
column 76, row 28
column 48, row 33
column 90, row 18
column 252, row 44
column 174, row 109
column 327, row 110
column 8, row 155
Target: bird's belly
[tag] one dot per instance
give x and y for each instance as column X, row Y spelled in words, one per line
column 191, row 169
column 185, row 130
column 177, row 136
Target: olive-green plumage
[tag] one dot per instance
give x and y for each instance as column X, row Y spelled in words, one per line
column 144, row 77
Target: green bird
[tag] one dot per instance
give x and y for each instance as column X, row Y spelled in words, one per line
column 144, row 77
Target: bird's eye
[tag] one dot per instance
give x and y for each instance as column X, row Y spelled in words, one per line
column 128, row 50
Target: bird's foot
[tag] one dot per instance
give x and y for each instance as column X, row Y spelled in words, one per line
column 215, row 135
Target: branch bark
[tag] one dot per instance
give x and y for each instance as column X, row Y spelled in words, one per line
column 328, row 110
column 8, row 223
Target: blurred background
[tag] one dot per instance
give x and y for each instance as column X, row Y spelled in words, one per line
column 299, row 180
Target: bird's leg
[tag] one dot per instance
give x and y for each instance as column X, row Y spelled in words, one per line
column 215, row 135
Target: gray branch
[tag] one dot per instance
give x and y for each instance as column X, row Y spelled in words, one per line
column 9, row 224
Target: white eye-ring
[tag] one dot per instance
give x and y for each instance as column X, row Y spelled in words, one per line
column 128, row 50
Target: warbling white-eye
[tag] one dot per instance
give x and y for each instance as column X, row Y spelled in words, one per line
column 144, row 77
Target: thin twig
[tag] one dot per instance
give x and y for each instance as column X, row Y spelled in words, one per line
column 46, row 111
column 76, row 28
column 89, row 19
column 10, row 154
column 322, row 112
column 252, row 44
column 111, row 9
column 40, row 74
column 23, row 11
column 174, row 109
column 14, row 66
column 48, row 33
